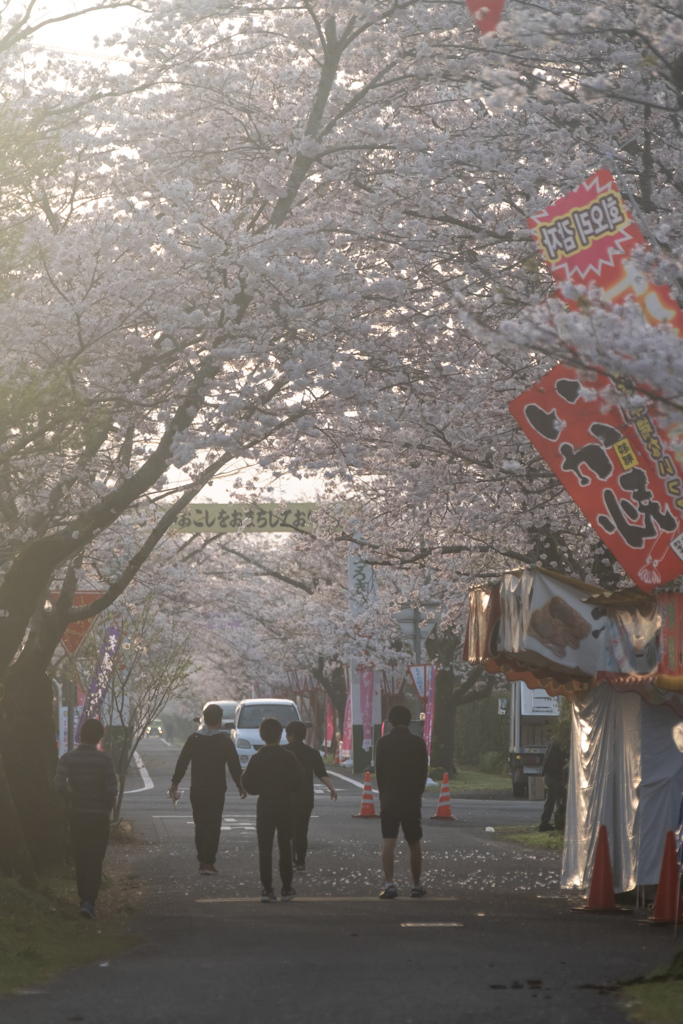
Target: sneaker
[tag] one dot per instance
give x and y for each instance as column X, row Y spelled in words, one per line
column 208, row 869
column 417, row 891
column 87, row 910
column 389, row 892
column 288, row 894
column 268, row 896
column 300, row 867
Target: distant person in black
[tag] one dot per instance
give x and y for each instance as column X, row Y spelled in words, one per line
column 553, row 776
column 208, row 750
column 401, row 771
column 273, row 774
column 302, row 801
column 87, row 781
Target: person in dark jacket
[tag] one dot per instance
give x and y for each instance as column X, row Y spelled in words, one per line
column 208, row 750
column 87, row 781
column 553, row 770
column 401, row 771
column 273, row 774
column 303, row 800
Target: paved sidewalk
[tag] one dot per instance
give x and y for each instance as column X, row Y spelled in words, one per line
column 494, row 941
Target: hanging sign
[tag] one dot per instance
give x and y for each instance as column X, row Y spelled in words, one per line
column 362, row 583
column 274, row 517
column 621, row 468
column 587, row 238
column 420, row 674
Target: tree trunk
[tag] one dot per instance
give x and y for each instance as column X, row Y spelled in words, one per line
column 334, row 685
column 27, row 738
column 14, row 856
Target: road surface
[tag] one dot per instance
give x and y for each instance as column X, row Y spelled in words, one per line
column 495, row 939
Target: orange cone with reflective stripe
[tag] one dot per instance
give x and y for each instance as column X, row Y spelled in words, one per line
column 601, row 894
column 667, row 908
column 443, row 810
column 367, row 804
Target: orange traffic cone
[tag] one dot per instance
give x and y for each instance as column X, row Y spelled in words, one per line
column 601, row 894
column 367, row 804
column 667, row 908
column 443, row 810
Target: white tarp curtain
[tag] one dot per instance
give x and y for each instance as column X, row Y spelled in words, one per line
column 625, row 772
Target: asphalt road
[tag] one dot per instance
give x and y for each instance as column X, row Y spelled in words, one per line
column 495, row 939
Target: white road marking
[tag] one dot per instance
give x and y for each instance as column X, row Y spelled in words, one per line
column 431, row 924
column 164, row 741
column 361, row 785
column 324, row 899
column 144, row 775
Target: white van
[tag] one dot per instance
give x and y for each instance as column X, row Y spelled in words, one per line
column 248, row 717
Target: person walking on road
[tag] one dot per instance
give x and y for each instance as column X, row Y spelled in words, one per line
column 553, row 773
column 303, row 800
column 87, row 782
column 208, row 750
column 273, row 774
column 401, row 771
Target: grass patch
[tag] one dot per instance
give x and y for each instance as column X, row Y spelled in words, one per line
column 41, row 933
column 655, row 1002
column 470, row 780
column 528, row 835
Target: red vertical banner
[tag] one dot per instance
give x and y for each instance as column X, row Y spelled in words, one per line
column 588, row 237
column 429, row 707
column 616, row 465
column 347, row 732
column 329, row 723
column 617, row 455
column 367, row 684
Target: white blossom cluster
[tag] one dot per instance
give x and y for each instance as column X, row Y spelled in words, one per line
column 295, row 233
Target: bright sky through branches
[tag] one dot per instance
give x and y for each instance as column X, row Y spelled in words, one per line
column 75, row 36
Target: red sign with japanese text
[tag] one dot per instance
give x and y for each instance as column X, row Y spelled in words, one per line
column 76, row 632
column 587, row 236
column 617, row 465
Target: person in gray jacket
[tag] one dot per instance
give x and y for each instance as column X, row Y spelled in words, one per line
column 87, row 781
column 208, row 750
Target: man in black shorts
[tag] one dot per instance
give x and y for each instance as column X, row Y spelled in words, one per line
column 401, row 770
column 302, row 800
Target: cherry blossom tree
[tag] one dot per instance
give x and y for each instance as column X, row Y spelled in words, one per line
column 300, row 238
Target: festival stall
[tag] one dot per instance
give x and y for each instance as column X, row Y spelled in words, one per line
column 618, row 657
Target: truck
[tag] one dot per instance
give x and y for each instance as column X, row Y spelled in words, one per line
column 530, row 713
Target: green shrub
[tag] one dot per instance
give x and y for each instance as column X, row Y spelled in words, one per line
column 480, row 730
column 493, row 761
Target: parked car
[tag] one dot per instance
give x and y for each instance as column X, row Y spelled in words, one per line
column 228, row 707
column 248, row 718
